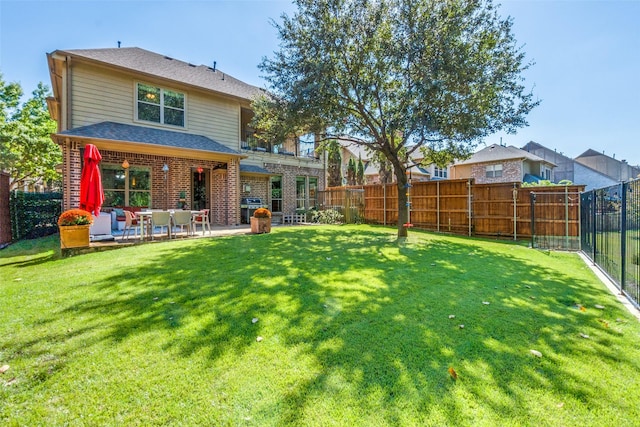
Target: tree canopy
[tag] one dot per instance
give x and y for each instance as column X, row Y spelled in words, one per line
column 27, row 151
column 401, row 77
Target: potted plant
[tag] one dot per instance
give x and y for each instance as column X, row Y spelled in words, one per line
column 74, row 228
column 261, row 221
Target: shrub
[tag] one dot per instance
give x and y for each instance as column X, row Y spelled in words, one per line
column 75, row 217
column 262, row 213
column 329, row 216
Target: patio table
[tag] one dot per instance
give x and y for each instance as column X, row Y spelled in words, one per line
column 145, row 221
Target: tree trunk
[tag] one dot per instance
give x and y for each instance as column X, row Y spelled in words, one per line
column 403, row 209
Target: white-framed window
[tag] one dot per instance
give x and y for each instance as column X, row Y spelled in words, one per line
column 126, row 187
column 158, row 105
column 439, row 172
column 306, row 192
column 301, row 192
column 493, row 171
column 276, row 194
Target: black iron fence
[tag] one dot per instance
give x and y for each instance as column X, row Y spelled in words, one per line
column 34, row 214
column 610, row 234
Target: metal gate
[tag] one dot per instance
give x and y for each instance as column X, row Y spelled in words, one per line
column 555, row 220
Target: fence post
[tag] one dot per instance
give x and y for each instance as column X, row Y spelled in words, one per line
column 566, row 216
column 438, row 205
column 468, row 204
column 515, row 211
column 533, row 219
column 623, row 236
column 594, row 227
column 384, row 203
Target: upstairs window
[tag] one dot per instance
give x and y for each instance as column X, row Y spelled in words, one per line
column 159, row 105
column 493, row 171
column 439, row 172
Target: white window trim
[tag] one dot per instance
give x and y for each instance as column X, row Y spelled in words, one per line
column 162, row 90
column 493, row 169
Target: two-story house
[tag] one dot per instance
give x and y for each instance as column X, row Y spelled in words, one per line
column 499, row 163
column 591, row 169
column 171, row 133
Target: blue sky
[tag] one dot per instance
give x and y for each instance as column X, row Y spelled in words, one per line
column 586, row 53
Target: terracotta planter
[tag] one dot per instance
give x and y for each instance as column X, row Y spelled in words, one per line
column 74, row 236
column 260, row 225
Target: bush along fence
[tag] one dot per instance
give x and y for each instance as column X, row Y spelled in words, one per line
column 34, row 214
column 610, row 234
column 5, row 215
column 503, row 210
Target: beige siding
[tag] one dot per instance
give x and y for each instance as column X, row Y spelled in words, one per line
column 215, row 118
column 99, row 95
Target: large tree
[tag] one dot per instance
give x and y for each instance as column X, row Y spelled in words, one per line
column 27, row 151
column 399, row 76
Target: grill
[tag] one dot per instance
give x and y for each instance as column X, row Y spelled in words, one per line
column 248, row 206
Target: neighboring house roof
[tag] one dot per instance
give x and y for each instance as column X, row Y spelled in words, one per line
column 145, row 135
column 556, row 155
column 157, row 65
column 357, row 150
column 496, row 152
column 591, row 153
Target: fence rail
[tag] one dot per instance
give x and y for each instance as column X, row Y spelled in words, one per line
column 610, row 234
column 463, row 207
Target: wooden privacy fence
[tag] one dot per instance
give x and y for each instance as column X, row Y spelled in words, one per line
column 463, row 207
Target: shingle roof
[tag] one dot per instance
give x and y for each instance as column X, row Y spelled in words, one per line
column 254, row 169
column 497, row 152
column 144, row 61
column 145, row 135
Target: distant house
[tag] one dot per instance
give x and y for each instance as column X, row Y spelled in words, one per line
column 499, row 163
column 591, row 169
column 618, row 170
column 372, row 169
column 171, row 132
column 564, row 169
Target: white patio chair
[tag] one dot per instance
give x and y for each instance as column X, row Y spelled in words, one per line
column 201, row 218
column 130, row 223
column 183, row 219
column 160, row 219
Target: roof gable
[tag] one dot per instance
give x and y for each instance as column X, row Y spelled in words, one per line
column 496, row 152
column 157, row 65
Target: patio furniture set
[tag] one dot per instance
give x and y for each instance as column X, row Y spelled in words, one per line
column 166, row 222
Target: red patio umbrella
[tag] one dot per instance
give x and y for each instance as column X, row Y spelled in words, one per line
column 91, row 194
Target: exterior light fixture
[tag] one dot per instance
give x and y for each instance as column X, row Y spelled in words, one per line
column 125, row 164
column 165, row 168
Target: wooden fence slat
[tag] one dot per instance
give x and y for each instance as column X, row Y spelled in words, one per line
column 444, row 206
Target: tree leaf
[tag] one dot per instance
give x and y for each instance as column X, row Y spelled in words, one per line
column 453, row 373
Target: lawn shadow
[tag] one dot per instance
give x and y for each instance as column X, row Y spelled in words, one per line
column 375, row 315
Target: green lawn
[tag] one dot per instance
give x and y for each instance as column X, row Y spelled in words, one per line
column 355, row 329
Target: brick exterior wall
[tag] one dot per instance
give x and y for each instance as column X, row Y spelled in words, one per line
column 289, row 174
column 165, row 192
column 511, row 172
